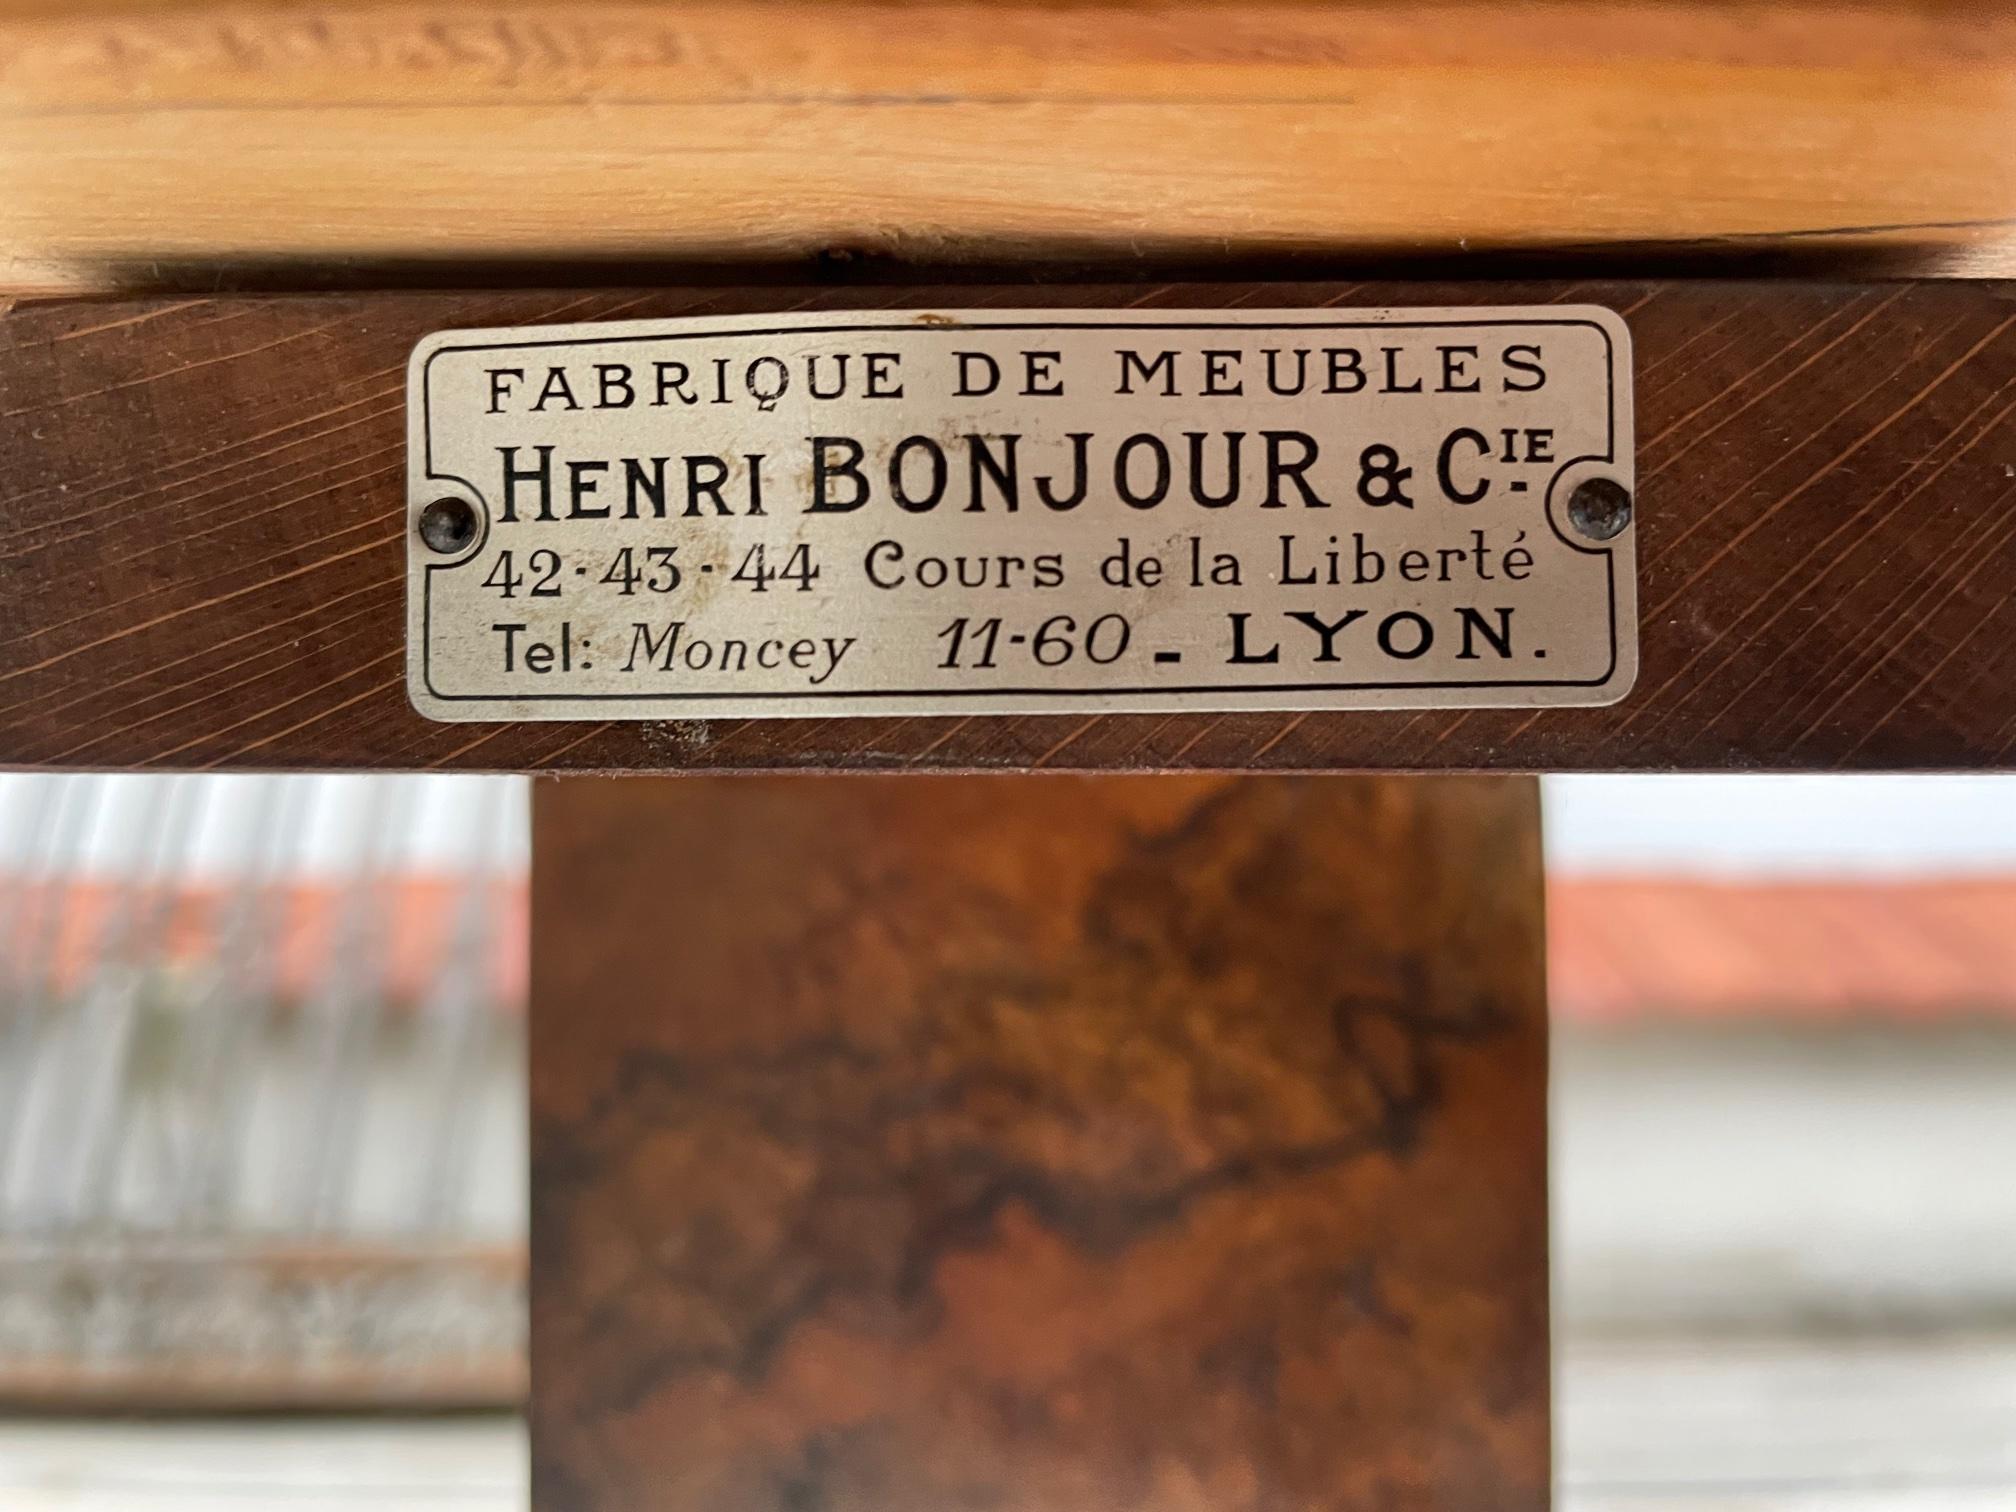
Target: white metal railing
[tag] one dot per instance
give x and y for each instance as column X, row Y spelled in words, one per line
column 261, row 1062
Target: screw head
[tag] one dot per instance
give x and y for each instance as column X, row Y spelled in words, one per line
column 448, row 525
column 1599, row 508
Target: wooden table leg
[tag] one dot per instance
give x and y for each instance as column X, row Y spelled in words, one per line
column 1019, row 1143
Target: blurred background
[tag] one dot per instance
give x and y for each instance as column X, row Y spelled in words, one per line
column 262, row 1144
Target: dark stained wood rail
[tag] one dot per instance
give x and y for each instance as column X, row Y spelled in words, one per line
column 1137, row 1144
column 201, row 555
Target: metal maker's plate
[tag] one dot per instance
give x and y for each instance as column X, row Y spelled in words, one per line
column 1022, row 512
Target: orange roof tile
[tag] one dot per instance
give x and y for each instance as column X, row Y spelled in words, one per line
column 1623, row 948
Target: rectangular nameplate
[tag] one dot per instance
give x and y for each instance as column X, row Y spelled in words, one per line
column 1022, row 512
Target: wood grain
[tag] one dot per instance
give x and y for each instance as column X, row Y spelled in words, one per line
column 1127, row 1143
column 201, row 553
column 201, row 144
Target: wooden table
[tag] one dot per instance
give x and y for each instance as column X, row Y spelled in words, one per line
column 1016, row 1142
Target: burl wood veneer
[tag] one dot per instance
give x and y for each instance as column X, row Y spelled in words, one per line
column 1038, row 1145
